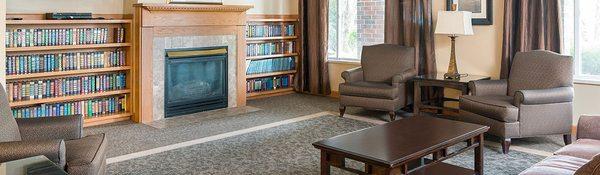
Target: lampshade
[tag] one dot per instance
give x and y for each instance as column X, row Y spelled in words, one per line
column 454, row 23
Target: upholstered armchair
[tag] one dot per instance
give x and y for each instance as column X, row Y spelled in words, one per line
column 381, row 81
column 60, row 139
column 535, row 100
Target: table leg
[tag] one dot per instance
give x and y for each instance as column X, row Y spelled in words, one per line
column 368, row 168
column 324, row 164
column 479, row 155
column 417, row 98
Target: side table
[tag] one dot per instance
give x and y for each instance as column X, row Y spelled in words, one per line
column 439, row 82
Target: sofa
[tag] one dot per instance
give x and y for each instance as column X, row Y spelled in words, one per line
column 582, row 157
column 381, row 83
column 60, row 139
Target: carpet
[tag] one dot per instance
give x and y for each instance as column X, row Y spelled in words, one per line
column 285, row 149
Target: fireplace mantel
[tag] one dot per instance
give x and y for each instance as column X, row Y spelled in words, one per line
column 152, row 21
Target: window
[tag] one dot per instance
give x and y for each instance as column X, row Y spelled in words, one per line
column 353, row 24
column 582, row 37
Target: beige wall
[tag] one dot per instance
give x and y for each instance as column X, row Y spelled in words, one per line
column 2, row 40
column 124, row 6
column 480, row 54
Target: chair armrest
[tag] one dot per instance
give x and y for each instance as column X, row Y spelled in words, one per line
column 52, row 149
column 588, row 127
column 544, row 96
column 488, row 87
column 47, row 128
column 353, row 75
column 404, row 76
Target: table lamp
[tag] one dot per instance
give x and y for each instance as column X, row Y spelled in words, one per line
column 453, row 23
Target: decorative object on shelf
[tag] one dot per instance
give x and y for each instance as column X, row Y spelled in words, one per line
column 453, row 23
column 218, row 2
column 481, row 10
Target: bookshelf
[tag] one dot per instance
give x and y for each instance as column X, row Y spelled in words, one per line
column 62, row 67
column 272, row 38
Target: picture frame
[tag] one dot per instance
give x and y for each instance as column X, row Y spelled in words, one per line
column 216, row 2
column 482, row 10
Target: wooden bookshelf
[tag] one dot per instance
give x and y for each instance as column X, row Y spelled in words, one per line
column 270, row 74
column 271, row 56
column 275, row 20
column 37, row 21
column 66, row 47
column 100, row 120
column 67, row 73
column 263, row 94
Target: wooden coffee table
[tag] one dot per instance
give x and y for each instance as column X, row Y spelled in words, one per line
column 390, row 148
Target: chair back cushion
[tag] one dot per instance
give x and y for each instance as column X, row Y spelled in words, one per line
column 381, row 62
column 540, row 70
column 9, row 130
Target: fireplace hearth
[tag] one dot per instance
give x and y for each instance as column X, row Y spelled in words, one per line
column 195, row 80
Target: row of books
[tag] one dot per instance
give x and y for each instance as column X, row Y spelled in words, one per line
column 270, row 30
column 25, row 64
column 87, row 108
column 58, row 37
column 119, row 35
column 270, row 48
column 39, row 89
column 268, row 83
column 270, row 65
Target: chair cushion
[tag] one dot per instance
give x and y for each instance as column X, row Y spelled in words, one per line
column 369, row 89
column 582, row 148
column 86, row 155
column 556, row 165
column 592, row 167
column 497, row 107
column 540, row 69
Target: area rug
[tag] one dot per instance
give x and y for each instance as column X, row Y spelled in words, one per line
column 284, row 150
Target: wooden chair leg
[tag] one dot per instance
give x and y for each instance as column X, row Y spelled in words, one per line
column 342, row 111
column 505, row 145
column 567, row 139
column 392, row 116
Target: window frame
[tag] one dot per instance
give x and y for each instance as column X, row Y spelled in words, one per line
column 577, row 55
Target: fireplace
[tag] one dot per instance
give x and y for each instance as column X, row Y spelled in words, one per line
column 195, row 80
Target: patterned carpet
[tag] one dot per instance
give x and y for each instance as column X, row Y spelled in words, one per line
column 285, row 149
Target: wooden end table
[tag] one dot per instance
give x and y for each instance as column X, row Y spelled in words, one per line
column 390, row 148
column 439, row 83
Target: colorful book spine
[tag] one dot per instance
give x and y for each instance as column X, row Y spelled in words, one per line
column 59, row 37
column 271, row 65
column 38, row 63
column 86, row 108
column 260, row 49
column 49, row 88
column 270, row 30
column 269, row 83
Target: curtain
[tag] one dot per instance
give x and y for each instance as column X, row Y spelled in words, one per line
column 410, row 23
column 313, row 77
column 530, row 25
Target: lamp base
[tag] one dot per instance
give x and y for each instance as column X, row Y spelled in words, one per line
column 452, row 76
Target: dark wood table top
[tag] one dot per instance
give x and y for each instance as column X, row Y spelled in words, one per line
column 402, row 140
column 440, row 77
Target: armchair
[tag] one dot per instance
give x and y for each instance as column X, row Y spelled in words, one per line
column 536, row 99
column 60, row 139
column 381, row 81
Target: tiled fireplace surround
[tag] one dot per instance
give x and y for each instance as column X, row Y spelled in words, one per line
column 168, row 26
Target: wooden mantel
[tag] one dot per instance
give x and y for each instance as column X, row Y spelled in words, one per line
column 165, row 20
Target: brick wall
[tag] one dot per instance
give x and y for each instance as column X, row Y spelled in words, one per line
column 370, row 19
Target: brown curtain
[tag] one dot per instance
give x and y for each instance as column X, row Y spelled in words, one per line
column 313, row 77
column 410, row 23
column 530, row 25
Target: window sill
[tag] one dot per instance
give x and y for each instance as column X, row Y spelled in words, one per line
column 587, row 81
column 349, row 62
